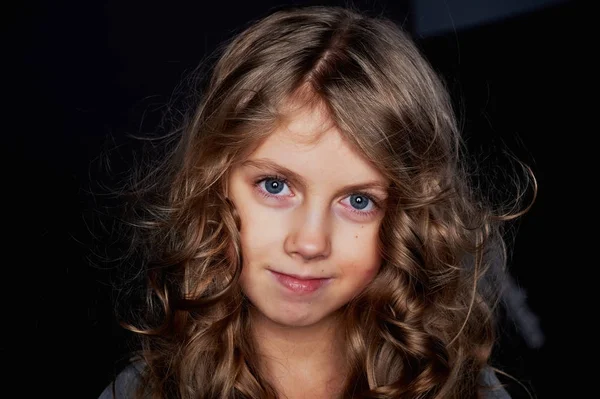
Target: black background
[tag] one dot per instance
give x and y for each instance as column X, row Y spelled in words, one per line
column 80, row 75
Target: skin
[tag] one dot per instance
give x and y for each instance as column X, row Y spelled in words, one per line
column 313, row 228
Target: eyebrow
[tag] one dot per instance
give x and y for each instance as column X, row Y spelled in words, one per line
column 264, row 163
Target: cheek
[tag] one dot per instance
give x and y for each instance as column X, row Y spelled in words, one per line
column 262, row 231
column 362, row 253
column 368, row 269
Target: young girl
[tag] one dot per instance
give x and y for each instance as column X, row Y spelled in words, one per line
column 313, row 233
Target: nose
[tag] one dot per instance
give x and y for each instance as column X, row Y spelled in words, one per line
column 309, row 236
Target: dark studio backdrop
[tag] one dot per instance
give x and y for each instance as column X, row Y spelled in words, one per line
column 82, row 75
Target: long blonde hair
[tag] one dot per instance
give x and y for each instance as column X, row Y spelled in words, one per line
column 424, row 327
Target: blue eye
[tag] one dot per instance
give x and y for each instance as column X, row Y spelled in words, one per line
column 359, row 201
column 273, row 186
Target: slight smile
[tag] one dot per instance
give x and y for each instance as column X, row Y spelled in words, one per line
column 300, row 284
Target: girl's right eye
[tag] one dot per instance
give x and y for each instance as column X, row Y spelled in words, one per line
column 273, row 187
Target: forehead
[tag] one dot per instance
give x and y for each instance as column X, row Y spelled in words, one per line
column 308, row 142
column 304, row 126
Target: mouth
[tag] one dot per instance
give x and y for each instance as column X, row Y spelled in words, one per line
column 300, row 284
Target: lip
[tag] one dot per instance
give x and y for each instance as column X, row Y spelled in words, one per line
column 299, row 284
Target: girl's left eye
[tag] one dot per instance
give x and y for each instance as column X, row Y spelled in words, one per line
column 362, row 203
column 278, row 188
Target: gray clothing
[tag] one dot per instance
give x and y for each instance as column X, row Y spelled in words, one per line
column 127, row 381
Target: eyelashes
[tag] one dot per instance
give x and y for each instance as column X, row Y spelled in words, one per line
column 258, row 185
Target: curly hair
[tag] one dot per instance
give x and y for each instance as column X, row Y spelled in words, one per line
column 424, row 327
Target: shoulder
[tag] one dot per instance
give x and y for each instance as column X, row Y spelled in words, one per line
column 494, row 388
column 125, row 384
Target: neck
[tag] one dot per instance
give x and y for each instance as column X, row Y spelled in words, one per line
column 306, row 360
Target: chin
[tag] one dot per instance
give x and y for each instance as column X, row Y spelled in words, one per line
column 294, row 322
column 298, row 319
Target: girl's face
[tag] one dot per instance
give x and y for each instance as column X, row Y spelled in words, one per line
column 309, row 221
